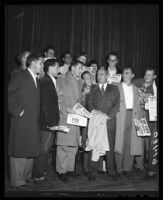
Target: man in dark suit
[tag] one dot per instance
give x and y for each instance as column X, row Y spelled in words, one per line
column 24, row 105
column 105, row 98
column 49, row 116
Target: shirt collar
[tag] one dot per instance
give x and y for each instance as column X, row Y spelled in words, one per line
column 33, row 75
column 105, row 85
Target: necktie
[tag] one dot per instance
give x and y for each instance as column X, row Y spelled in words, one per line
column 36, row 81
column 102, row 90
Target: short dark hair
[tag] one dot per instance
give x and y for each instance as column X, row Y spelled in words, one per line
column 81, row 54
column 85, row 72
column 66, row 52
column 128, row 67
column 32, row 57
column 112, row 53
column 19, row 56
column 103, row 68
column 48, row 63
column 47, row 48
column 92, row 62
column 74, row 63
column 151, row 69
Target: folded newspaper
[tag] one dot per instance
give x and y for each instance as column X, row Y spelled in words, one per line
column 76, row 120
column 142, row 127
column 152, row 105
column 116, row 78
column 80, row 110
column 60, row 128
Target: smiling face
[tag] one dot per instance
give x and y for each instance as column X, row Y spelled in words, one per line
column 112, row 60
column 67, row 59
column 102, row 76
column 127, row 75
column 87, row 79
column 50, row 53
column 77, row 69
column 149, row 76
column 94, row 67
column 83, row 59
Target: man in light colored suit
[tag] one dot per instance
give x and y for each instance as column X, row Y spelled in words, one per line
column 127, row 143
column 68, row 89
column 23, row 105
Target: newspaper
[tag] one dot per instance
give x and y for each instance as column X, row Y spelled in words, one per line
column 60, row 128
column 152, row 105
column 76, row 120
column 80, row 110
column 142, row 127
column 116, row 78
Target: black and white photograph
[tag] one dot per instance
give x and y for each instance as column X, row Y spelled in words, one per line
column 81, row 107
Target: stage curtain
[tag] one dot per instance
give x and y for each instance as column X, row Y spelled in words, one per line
column 130, row 30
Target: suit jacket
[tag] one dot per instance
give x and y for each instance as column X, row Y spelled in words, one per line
column 108, row 103
column 24, row 130
column 69, row 90
column 49, row 111
column 136, row 142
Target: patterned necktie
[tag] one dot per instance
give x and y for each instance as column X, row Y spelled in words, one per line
column 102, row 90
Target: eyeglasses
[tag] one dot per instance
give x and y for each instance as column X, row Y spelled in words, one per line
column 112, row 60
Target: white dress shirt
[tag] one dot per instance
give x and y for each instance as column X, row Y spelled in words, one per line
column 33, row 76
column 105, row 85
column 129, row 96
column 53, row 79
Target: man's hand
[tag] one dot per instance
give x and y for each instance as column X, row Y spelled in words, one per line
column 99, row 112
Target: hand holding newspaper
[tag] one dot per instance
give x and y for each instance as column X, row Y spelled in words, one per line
column 80, row 110
column 116, row 78
column 60, row 128
column 80, row 116
column 142, row 127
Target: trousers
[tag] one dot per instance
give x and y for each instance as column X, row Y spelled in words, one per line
column 65, row 158
column 40, row 164
column 20, row 170
column 124, row 161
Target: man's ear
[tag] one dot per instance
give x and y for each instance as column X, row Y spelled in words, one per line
column 155, row 76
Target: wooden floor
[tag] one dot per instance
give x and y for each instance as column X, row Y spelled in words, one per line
column 102, row 184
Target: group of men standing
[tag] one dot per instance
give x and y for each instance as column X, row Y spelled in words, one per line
column 37, row 106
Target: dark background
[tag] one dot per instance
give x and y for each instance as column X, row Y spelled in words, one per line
column 130, row 30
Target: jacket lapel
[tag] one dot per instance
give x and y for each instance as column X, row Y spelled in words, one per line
column 29, row 76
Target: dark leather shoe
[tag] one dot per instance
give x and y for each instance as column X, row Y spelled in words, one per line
column 119, row 175
column 91, row 177
column 29, row 180
column 128, row 174
column 148, row 177
column 72, row 175
column 101, row 172
column 86, row 173
column 63, row 177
